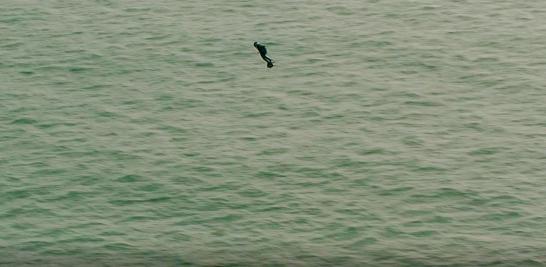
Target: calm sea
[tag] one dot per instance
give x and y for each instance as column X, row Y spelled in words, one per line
column 389, row 133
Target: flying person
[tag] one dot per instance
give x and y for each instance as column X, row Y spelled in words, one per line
column 263, row 54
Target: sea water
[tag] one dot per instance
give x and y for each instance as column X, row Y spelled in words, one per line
column 389, row 133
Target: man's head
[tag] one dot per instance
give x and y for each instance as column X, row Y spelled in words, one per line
column 255, row 44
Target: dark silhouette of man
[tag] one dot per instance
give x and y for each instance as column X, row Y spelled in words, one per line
column 263, row 54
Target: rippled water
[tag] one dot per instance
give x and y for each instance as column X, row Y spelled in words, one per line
column 389, row 133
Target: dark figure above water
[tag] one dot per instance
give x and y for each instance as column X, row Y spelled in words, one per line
column 263, row 52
